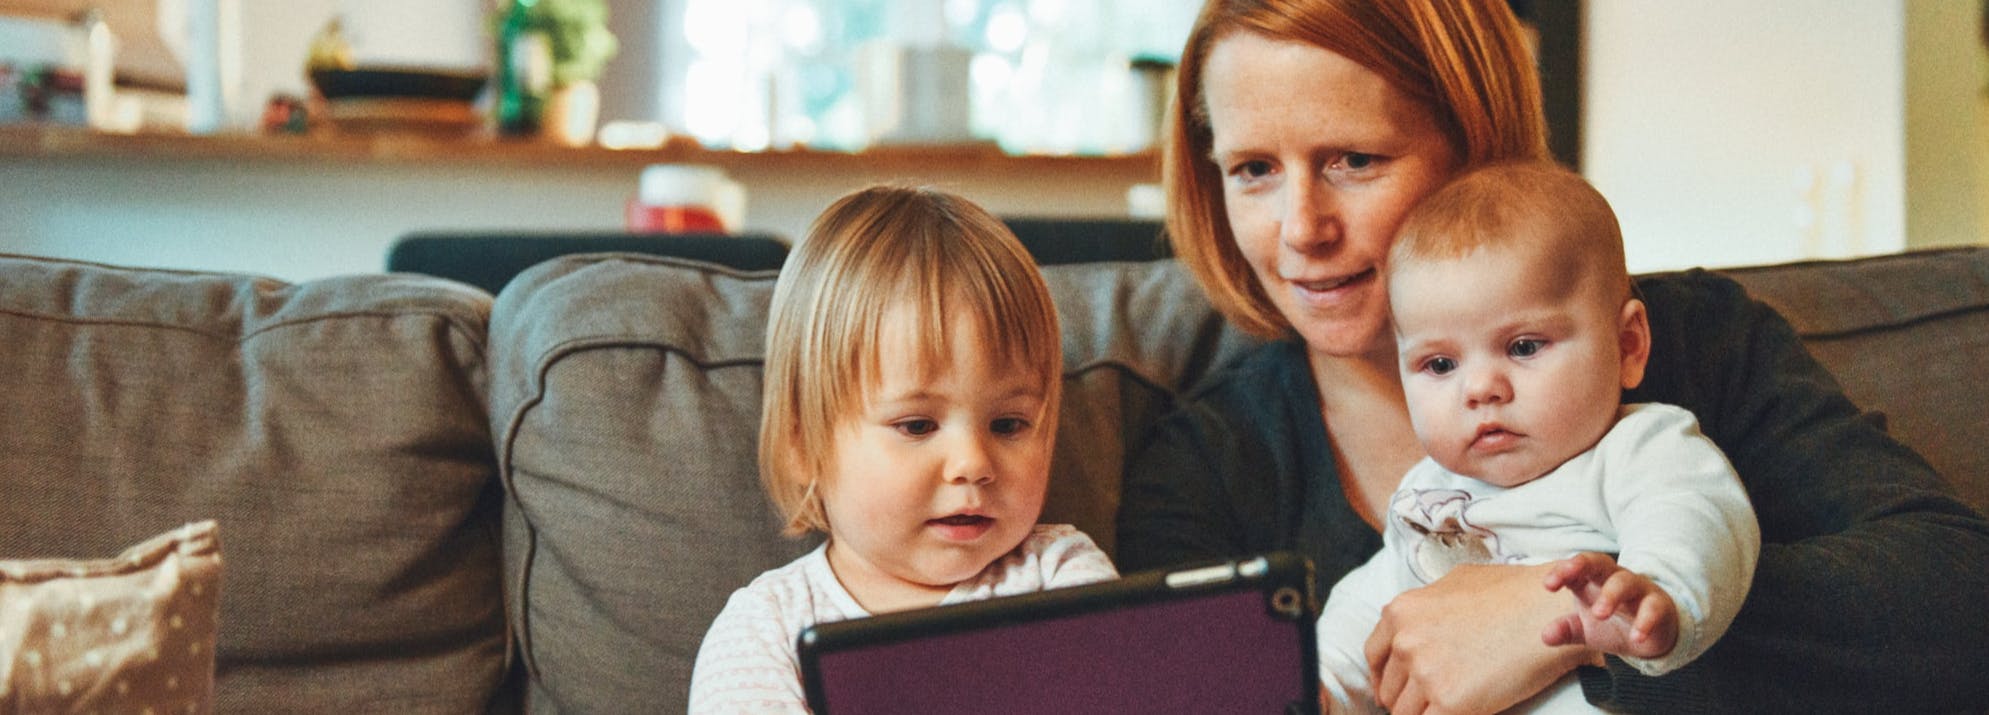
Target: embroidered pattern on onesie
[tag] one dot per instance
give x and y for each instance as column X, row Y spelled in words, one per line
column 1440, row 532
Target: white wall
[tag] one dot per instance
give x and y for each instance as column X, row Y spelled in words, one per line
column 1744, row 132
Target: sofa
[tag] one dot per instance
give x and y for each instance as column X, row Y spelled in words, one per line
column 432, row 499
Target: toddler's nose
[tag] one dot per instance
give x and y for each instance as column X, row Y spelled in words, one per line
column 969, row 463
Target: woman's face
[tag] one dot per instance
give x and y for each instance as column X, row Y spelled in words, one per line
column 1321, row 159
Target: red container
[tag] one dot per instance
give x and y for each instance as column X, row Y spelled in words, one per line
column 684, row 198
column 646, row 218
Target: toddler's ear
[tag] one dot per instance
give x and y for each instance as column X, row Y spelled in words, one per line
column 1633, row 337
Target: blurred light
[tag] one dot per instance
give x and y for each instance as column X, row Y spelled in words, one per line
column 961, row 13
column 626, row 134
column 801, row 29
column 715, row 27
column 1048, row 13
column 990, row 72
column 1007, row 30
column 715, row 98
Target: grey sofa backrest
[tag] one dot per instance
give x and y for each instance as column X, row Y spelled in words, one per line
column 334, row 429
column 1906, row 335
column 625, row 402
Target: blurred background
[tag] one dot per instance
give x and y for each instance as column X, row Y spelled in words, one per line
column 1724, row 133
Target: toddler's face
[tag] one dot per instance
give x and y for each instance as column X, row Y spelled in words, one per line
column 1509, row 370
column 943, row 470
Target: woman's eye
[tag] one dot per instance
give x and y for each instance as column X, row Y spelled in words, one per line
column 1525, row 347
column 918, row 428
column 1010, row 425
column 1357, row 160
column 1439, row 365
column 1255, row 169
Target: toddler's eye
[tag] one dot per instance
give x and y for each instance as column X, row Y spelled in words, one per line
column 1009, row 425
column 1439, row 365
column 918, row 427
column 1525, row 347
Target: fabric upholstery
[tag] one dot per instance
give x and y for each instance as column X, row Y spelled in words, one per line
column 626, row 407
column 1906, row 335
column 334, row 429
column 356, row 439
column 129, row 633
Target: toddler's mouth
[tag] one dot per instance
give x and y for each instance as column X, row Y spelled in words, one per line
column 962, row 520
column 961, row 528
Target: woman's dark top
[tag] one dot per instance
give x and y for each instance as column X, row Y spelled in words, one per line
column 1872, row 591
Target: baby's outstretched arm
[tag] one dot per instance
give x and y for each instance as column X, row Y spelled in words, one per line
column 1622, row 611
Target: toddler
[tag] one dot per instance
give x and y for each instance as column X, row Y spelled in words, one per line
column 913, row 372
column 1517, row 330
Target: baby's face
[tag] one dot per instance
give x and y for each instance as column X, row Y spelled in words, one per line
column 1509, row 369
column 942, row 472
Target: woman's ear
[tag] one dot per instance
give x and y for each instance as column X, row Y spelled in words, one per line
column 1633, row 336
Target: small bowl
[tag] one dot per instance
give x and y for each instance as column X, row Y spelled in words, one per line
column 391, row 82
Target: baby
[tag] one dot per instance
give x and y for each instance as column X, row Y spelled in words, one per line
column 1517, row 329
column 913, row 376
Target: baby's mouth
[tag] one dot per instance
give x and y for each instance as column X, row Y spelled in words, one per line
column 1494, row 437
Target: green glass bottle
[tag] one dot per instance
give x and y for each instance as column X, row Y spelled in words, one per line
column 524, row 70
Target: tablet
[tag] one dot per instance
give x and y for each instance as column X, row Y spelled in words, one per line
column 1230, row 637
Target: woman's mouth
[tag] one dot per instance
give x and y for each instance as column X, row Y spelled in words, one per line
column 1328, row 288
column 961, row 527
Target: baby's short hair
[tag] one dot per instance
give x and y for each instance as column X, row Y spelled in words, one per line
column 1525, row 203
column 870, row 252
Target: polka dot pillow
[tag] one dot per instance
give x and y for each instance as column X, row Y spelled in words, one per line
column 132, row 634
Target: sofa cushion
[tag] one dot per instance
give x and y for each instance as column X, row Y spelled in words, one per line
column 625, row 396
column 128, row 633
column 1905, row 334
column 336, row 431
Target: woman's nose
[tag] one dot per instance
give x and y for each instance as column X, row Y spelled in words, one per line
column 1309, row 215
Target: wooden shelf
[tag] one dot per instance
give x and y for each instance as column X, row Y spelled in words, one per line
column 54, row 142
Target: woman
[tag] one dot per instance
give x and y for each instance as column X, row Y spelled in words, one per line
column 1305, row 130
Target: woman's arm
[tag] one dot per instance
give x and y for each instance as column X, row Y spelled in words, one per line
column 1171, row 505
column 1243, row 468
column 1868, row 593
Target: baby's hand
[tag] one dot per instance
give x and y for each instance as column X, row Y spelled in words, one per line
column 1621, row 612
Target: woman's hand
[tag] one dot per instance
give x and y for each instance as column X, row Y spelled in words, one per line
column 1469, row 643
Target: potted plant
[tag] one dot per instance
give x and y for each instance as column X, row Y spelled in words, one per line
column 578, row 44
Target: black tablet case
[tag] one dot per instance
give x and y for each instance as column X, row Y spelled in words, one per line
column 1234, row 637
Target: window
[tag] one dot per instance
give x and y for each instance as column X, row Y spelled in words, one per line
column 1034, row 76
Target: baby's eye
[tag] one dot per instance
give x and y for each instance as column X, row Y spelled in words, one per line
column 1009, row 425
column 917, row 427
column 1439, row 366
column 1525, row 347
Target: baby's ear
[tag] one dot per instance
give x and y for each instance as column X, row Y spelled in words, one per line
column 1633, row 337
